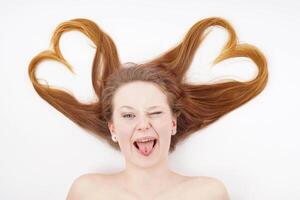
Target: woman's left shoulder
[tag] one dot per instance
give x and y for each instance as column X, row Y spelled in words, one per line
column 211, row 187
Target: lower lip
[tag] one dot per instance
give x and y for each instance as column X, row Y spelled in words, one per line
column 137, row 150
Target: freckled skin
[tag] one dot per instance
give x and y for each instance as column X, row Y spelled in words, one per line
column 147, row 178
column 129, row 124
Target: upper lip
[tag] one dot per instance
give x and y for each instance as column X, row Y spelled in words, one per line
column 145, row 138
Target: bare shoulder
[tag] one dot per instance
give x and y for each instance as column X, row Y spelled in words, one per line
column 212, row 188
column 83, row 186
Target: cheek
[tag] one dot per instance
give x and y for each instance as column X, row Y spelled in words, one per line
column 126, row 125
column 163, row 129
column 125, row 132
column 163, row 123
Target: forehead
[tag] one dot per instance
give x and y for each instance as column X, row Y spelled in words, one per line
column 139, row 94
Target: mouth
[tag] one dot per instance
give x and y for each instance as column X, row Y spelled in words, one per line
column 145, row 148
column 137, row 146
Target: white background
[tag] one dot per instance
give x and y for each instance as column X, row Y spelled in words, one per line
column 254, row 149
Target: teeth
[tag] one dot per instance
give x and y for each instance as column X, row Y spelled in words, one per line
column 145, row 140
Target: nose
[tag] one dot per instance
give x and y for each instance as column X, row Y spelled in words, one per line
column 143, row 124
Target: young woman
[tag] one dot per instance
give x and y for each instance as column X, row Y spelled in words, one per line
column 145, row 109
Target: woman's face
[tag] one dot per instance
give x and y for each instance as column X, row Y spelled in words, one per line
column 141, row 109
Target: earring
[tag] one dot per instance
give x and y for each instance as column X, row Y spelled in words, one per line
column 114, row 138
column 173, row 132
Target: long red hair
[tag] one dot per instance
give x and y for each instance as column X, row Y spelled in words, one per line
column 195, row 106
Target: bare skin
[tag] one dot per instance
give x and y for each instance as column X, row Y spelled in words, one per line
column 113, row 187
column 141, row 109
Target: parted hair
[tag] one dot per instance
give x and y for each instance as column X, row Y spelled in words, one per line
column 195, row 105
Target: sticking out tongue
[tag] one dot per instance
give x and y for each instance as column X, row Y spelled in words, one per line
column 145, row 148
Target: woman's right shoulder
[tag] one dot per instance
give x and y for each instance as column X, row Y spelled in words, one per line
column 83, row 186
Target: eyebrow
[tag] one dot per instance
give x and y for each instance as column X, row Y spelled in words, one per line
column 131, row 108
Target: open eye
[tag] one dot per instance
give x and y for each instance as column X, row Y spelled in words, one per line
column 126, row 115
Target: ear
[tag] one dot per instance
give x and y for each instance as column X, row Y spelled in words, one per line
column 174, row 122
column 111, row 127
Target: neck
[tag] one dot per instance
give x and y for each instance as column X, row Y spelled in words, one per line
column 147, row 180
